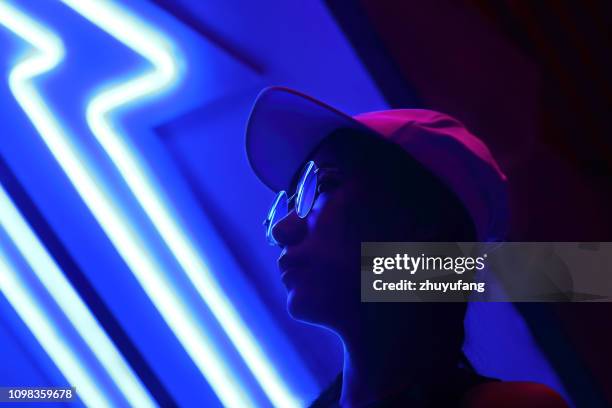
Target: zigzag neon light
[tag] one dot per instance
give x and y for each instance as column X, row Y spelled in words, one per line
column 115, row 225
column 73, row 307
column 51, row 276
column 155, row 48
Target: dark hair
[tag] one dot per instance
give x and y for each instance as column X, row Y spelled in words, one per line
column 435, row 214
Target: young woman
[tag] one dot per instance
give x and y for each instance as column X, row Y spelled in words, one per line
column 399, row 175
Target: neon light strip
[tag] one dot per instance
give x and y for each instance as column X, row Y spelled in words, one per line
column 154, row 48
column 175, row 313
column 71, row 304
column 48, row 336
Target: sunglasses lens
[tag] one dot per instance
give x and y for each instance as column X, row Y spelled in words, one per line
column 278, row 211
column 307, row 190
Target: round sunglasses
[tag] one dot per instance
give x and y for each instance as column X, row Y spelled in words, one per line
column 306, row 193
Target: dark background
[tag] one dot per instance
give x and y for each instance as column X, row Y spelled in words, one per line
column 531, row 78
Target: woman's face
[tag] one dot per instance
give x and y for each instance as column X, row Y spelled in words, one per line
column 320, row 260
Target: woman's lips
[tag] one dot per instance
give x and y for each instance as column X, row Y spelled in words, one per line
column 289, row 267
column 287, row 261
column 288, row 276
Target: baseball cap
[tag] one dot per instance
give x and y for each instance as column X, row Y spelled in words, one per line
column 285, row 126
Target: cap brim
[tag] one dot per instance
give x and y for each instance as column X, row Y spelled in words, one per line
column 284, row 127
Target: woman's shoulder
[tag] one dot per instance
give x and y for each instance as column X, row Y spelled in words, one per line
column 502, row 394
column 330, row 396
column 467, row 390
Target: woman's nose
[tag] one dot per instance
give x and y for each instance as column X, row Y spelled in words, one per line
column 289, row 230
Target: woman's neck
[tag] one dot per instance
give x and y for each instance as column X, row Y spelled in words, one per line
column 380, row 362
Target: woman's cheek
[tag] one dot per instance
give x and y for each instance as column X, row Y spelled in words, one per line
column 328, row 217
column 337, row 227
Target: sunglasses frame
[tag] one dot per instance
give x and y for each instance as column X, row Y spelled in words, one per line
column 309, row 167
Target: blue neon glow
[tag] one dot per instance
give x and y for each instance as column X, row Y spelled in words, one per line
column 157, row 49
column 48, row 336
column 62, row 292
column 39, row 260
column 49, row 54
